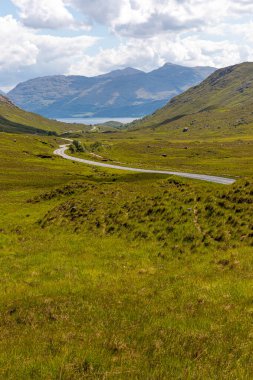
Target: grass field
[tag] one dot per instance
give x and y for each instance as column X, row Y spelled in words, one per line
column 219, row 156
column 111, row 275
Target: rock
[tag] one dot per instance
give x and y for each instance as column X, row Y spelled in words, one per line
column 44, row 156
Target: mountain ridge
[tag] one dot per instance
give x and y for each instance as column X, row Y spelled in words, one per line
column 120, row 93
column 225, row 98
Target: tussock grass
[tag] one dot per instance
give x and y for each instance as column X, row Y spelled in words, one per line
column 110, row 275
column 167, row 211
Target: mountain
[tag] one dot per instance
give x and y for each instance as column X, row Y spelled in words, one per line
column 222, row 102
column 120, row 93
column 16, row 120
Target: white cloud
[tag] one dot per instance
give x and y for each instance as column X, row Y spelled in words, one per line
column 17, row 47
column 146, row 18
column 163, row 16
column 149, row 33
column 241, row 6
column 103, row 12
column 25, row 53
column 50, row 14
column 132, row 18
column 189, row 51
column 189, row 32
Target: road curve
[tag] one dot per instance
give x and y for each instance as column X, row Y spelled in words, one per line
column 221, row 180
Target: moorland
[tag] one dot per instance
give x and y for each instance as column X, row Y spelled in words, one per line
column 113, row 275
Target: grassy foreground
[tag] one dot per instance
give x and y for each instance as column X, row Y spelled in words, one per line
column 110, row 275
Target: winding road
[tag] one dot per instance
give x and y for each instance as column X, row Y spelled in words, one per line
column 221, row 180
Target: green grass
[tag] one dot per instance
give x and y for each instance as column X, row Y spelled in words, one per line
column 115, row 275
column 221, row 156
column 111, row 275
column 220, row 106
column 16, row 120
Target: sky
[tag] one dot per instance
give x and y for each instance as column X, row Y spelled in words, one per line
column 91, row 37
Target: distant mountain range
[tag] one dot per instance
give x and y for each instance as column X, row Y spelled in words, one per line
column 120, row 93
column 221, row 104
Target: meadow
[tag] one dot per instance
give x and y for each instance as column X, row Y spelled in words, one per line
column 224, row 156
column 115, row 275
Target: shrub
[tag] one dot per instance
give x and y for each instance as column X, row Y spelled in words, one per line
column 76, row 146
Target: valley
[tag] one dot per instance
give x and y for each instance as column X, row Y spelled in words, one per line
column 116, row 274
column 61, row 152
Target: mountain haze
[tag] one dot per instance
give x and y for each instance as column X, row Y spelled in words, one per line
column 223, row 101
column 120, row 93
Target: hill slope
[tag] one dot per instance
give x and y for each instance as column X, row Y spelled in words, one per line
column 16, row 120
column 121, row 93
column 221, row 102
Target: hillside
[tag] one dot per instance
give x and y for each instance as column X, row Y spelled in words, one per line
column 16, row 120
column 120, row 93
column 222, row 103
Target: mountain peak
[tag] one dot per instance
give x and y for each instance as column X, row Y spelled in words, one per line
column 122, row 72
column 170, row 64
column 126, row 92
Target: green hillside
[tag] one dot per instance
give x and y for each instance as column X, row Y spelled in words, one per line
column 15, row 120
column 220, row 105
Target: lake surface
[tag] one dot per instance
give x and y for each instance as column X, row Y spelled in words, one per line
column 97, row 120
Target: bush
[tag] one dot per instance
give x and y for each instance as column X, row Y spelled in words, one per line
column 52, row 133
column 96, row 146
column 76, row 146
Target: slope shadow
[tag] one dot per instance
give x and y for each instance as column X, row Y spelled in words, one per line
column 12, row 127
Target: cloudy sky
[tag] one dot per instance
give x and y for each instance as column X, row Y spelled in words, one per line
column 90, row 37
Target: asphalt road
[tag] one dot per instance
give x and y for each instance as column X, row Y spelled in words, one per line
column 224, row 181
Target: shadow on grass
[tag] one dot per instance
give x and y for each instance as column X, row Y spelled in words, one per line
column 12, row 127
column 127, row 178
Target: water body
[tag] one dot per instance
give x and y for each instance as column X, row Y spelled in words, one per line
column 97, row 120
